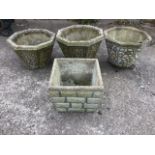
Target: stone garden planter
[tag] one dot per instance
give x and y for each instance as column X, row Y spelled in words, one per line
column 123, row 43
column 76, row 85
column 33, row 46
column 80, row 40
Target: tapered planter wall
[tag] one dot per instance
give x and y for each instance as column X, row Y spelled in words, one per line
column 123, row 43
column 76, row 85
column 80, row 40
column 33, row 46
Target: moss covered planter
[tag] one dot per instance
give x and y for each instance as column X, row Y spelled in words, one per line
column 33, row 46
column 76, row 85
column 123, row 43
column 80, row 40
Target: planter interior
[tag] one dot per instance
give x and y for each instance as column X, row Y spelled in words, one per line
column 79, row 34
column 127, row 35
column 71, row 77
column 76, row 72
column 32, row 38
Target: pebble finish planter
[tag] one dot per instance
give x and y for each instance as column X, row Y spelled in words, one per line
column 123, row 43
column 33, row 46
column 76, row 85
column 80, row 40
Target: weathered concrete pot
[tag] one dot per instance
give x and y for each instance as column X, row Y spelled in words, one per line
column 80, row 40
column 123, row 43
column 33, row 46
column 76, row 85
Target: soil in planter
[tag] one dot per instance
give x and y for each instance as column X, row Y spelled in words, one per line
column 76, row 80
column 34, row 38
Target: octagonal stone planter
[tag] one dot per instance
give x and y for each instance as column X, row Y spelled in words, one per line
column 33, row 46
column 123, row 43
column 80, row 40
column 76, row 85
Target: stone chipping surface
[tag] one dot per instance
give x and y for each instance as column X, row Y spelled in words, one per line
column 25, row 106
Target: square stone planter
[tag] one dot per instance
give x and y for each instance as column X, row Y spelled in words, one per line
column 80, row 40
column 123, row 43
column 33, row 46
column 76, row 85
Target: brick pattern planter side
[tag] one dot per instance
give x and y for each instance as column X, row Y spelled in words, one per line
column 76, row 101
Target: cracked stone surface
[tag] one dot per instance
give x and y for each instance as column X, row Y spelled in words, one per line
column 25, row 107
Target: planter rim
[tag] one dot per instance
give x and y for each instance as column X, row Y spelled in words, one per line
column 100, row 87
column 80, row 43
column 11, row 41
column 148, row 37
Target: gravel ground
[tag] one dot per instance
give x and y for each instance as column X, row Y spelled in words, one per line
column 25, row 107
